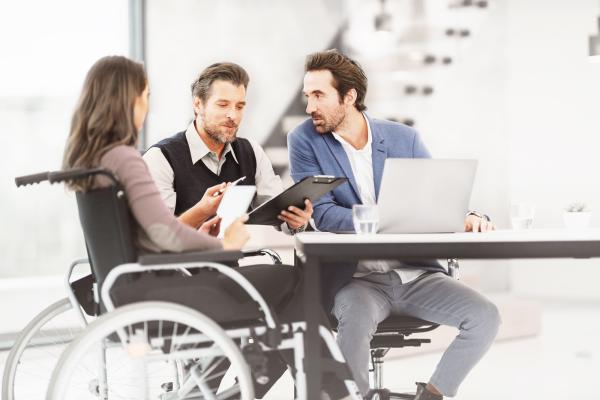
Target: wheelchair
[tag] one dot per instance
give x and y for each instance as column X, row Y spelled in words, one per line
column 155, row 349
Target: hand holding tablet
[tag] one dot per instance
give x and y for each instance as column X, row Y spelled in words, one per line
column 235, row 203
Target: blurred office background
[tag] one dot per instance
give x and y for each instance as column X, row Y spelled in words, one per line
column 507, row 82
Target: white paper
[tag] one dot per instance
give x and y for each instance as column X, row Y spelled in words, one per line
column 235, row 203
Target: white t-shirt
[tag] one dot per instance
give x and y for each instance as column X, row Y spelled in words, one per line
column 361, row 161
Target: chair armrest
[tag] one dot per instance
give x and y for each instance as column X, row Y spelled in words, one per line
column 275, row 258
column 453, row 268
column 192, row 256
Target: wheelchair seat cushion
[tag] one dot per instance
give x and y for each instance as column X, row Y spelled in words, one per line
column 211, row 292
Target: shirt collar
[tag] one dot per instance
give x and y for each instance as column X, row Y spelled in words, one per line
column 369, row 138
column 198, row 149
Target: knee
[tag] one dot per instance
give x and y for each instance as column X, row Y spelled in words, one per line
column 486, row 317
column 360, row 317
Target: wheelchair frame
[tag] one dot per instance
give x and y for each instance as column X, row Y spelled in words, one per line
column 269, row 336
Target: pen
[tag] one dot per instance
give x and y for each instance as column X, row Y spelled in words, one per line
column 220, row 192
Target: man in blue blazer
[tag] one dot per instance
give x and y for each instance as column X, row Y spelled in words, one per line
column 340, row 139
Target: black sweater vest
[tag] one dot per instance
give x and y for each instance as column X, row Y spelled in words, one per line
column 192, row 180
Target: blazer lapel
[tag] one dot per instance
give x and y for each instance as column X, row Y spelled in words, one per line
column 342, row 159
column 378, row 155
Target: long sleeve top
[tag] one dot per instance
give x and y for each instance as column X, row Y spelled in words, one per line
column 157, row 228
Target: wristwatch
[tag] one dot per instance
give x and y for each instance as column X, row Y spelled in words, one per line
column 479, row 215
column 299, row 229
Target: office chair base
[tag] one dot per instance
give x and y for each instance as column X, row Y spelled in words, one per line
column 385, row 394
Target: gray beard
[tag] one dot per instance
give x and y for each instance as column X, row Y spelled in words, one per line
column 219, row 138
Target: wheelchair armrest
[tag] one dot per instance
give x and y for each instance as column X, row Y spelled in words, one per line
column 232, row 273
column 192, row 256
column 275, row 258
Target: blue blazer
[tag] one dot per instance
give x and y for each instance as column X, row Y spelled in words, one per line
column 313, row 153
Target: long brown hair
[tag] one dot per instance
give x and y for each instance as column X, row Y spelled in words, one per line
column 103, row 117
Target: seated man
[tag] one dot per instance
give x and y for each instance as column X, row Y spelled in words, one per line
column 208, row 153
column 191, row 169
column 340, row 137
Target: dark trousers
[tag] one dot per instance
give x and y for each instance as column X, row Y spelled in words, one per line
column 222, row 300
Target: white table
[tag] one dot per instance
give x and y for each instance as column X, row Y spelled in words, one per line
column 314, row 248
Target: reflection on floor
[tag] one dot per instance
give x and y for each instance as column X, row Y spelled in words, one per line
column 562, row 363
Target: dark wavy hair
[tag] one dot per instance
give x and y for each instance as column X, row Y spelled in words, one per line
column 347, row 73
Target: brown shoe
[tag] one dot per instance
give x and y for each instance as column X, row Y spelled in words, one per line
column 424, row 394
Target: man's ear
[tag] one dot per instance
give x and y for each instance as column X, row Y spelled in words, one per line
column 197, row 105
column 350, row 97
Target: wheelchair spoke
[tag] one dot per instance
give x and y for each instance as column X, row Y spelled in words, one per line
column 140, row 362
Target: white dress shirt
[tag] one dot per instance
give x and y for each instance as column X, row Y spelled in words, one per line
column 361, row 162
column 268, row 184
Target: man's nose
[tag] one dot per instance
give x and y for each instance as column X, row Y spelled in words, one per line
column 310, row 107
column 233, row 114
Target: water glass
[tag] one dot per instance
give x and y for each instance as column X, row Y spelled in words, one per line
column 521, row 215
column 365, row 219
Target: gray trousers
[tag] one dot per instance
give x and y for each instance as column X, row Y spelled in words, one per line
column 362, row 304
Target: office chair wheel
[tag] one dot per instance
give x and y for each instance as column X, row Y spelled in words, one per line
column 36, row 351
column 151, row 350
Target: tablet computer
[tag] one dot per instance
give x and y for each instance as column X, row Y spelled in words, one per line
column 311, row 187
column 234, row 203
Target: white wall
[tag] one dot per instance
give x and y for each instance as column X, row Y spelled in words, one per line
column 554, row 125
column 522, row 98
column 467, row 118
column 268, row 38
column 46, row 49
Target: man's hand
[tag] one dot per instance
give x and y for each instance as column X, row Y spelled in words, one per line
column 473, row 223
column 206, row 207
column 295, row 217
column 212, row 226
column 211, row 199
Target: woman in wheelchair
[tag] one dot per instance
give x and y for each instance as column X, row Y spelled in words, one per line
column 104, row 133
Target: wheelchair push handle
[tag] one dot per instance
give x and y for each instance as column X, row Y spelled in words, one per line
column 31, row 179
column 63, row 176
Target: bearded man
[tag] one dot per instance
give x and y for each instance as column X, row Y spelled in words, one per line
column 192, row 167
column 340, row 139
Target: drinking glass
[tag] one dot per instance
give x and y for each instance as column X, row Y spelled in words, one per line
column 365, row 219
column 521, row 215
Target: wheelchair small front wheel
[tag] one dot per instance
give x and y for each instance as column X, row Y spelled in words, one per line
column 152, row 350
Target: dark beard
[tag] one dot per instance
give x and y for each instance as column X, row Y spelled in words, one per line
column 329, row 126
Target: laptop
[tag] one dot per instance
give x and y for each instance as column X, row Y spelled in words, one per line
column 424, row 195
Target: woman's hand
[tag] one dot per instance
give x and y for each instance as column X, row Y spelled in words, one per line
column 236, row 234
column 212, row 226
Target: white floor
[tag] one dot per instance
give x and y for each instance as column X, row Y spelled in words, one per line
column 563, row 363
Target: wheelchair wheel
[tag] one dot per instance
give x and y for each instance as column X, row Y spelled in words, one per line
column 32, row 358
column 151, row 350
